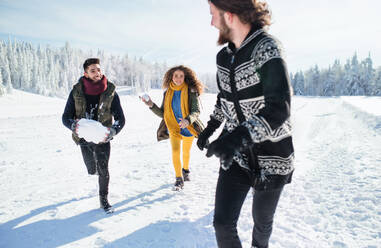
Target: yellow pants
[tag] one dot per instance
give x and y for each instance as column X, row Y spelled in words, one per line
column 187, row 145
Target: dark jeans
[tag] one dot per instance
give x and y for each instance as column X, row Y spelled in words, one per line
column 232, row 188
column 96, row 159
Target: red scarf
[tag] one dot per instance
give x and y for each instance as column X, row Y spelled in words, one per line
column 94, row 88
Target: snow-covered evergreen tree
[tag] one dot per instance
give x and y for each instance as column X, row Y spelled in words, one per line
column 4, row 68
column 367, row 76
column 298, row 83
column 328, row 82
column 210, row 82
column 354, row 78
column 2, row 88
column 312, row 77
column 53, row 71
column 377, row 83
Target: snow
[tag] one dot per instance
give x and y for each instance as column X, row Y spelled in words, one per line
column 48, row 200
column 23, row 104
column 92, row 131
column 145, row 97
column 367, row 104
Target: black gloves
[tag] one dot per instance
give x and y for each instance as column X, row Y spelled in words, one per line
column 227, row 145
column 202, row 139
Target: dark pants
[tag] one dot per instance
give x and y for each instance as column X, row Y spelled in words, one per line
column 96, row 159
column 232, row 188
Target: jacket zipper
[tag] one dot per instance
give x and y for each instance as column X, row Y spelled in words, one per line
column 254, row 171
column 234, row 90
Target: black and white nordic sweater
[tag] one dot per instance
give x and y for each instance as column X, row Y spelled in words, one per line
column 255, row 91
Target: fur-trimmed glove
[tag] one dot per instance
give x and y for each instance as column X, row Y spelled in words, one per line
column 229, row 144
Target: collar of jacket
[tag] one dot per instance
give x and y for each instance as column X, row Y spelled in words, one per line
column 254, row 32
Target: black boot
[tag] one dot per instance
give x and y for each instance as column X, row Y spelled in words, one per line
column 104, row 203
column 186, row 175
column 254, row 246
column 179, row 184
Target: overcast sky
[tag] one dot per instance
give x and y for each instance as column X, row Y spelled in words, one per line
column 179, row 31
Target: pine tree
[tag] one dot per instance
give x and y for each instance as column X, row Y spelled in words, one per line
column 377, row 83
column 367, row 76
column 2, row 88
column 313, row 87
column 328, row 83
column 52, row 71
column 352, row 75
column 298, row 83
column 4, row 68
column 354, row 78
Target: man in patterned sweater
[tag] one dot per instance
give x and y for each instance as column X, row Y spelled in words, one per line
column 255, row 147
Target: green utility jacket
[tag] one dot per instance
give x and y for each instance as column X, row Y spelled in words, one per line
column 104, row 106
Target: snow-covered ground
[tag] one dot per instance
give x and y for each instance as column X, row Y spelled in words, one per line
column 48, row 200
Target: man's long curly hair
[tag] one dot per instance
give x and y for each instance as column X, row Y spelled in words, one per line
column 255, row 12
column 190, row 78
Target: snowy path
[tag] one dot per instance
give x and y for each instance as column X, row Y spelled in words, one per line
column 47, row 200
column 336, row 194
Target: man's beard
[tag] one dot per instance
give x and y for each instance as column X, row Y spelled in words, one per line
column 225, row 32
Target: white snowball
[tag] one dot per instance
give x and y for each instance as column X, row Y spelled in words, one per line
column 145, row 97
column 92, row 131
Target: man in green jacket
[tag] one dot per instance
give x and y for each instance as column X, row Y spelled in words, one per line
column 95, row 98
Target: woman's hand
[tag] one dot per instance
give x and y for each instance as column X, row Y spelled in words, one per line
column 183, row 123
column 147, row 100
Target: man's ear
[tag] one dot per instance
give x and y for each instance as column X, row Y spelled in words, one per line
column 86, row 75
column 228, row 16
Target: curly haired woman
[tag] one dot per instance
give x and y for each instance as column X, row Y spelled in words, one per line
column 180, row 110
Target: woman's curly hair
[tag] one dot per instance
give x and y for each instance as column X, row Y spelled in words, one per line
column 255, row 12
column 190, row 78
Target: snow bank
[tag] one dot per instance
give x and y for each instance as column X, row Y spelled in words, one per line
column 24, row 104
column 366, row 109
